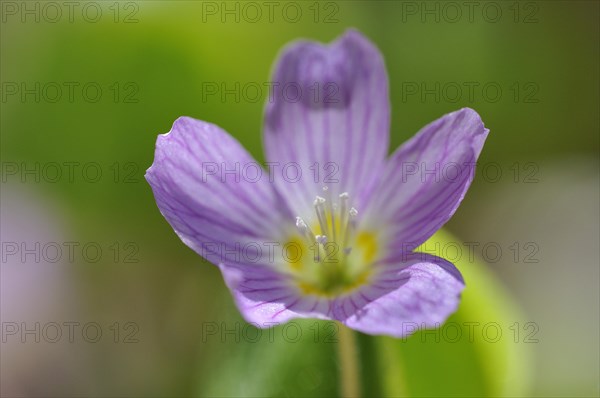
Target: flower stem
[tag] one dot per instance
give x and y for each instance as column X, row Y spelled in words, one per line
column 349, row 377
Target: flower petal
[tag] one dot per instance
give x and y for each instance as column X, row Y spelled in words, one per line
column 426, row 179
column 415, row 292
column 411, row 292
column 214, row 207
column 266, row 297
column 329, row 118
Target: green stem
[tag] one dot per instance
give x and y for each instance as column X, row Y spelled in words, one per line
column 349, row 377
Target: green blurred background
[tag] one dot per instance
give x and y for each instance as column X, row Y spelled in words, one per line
column 536, row 198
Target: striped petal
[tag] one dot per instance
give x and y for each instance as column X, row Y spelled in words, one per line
column 411, row 292
column 266, row 297
column 329, row 118
column 426, row 179
column 414, row 291
column 217, row 209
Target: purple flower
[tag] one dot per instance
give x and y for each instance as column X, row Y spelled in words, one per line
column 330, row 231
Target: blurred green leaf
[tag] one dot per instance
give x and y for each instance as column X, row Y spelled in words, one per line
column 482, row 350
column 296, row 359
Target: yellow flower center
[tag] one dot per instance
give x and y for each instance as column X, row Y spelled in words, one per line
column 331, row 257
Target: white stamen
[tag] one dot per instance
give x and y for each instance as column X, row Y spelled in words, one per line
column 350, row 226
column 344, row 197
column 331, row 209
column 305, row 229
column 334, row 210
column 322, row 239
column 301, row 224
column 326, row 209
column 320, row 209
